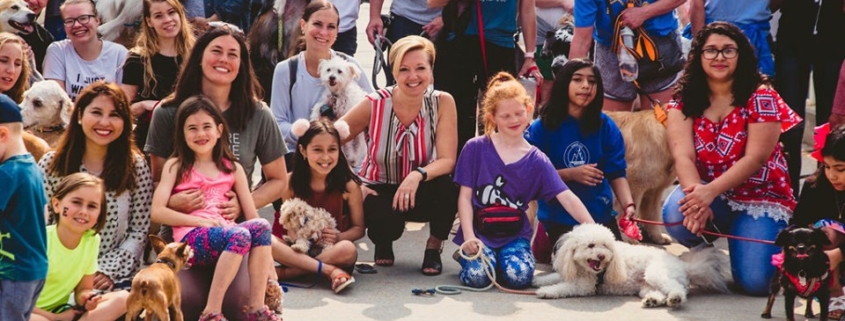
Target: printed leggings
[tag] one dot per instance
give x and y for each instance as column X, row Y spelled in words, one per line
column 210, row 242
column 514, row 265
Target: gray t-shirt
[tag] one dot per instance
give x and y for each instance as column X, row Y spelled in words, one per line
column 63, row 63
column 547, row 20
column 415, row 10
column 260, row 139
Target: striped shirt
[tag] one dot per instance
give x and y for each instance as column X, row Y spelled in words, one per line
column 393, row 149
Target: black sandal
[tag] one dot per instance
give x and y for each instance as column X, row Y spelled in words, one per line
column 431, row 261
column 384, row 253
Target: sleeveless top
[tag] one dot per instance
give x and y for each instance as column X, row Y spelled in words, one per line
column 214, row 190
column 394, row 150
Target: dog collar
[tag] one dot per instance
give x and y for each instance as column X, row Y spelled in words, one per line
column 53, row 129
column 169, row 263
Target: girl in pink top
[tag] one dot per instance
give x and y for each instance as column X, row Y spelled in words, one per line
column 203, row 161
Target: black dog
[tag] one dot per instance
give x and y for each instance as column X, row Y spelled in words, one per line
column 805, row 271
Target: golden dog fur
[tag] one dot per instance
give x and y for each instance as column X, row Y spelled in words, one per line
column 651, row 168
column 156, row 289
column 35, row 145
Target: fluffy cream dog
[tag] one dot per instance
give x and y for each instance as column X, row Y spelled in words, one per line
column 46, row 110
column 590, row 262
column 651, row 168
column 118, row 20
column 339, row 76
column 304, row 224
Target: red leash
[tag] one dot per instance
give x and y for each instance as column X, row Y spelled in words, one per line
column 705, row 231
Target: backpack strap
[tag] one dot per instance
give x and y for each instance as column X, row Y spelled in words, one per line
column 293, row 65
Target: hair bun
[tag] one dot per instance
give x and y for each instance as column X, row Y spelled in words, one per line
column 342, row 128
column 299, row 127
column 499, row 78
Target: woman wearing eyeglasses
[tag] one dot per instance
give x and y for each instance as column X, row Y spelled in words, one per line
column 724, row 127
column 83, row 57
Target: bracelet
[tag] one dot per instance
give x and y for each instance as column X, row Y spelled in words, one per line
column 529, row 54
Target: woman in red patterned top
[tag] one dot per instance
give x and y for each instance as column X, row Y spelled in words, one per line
column 723, row 132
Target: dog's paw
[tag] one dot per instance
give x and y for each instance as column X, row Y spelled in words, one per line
column 675, row 299
column 660, row 238
column 300, row 248
column 654, row 299
column 766, row 315
column 547, row 292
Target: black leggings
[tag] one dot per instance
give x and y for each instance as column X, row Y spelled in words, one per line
column 436, row 203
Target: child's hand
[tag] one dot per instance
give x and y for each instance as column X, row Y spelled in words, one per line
column 231, row 209
column 329, row 235
column 91, row 300
column 367, row 191
column 204, row 222
column 470, row 246
column 587, row 174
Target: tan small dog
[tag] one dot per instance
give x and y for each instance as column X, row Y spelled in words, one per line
column 156, row 289
column 304, row 224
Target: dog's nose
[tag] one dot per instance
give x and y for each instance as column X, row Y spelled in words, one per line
column 332, row 78
column 601, row 257
column 30, row 16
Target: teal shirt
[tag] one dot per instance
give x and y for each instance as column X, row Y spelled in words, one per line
column 23, row 236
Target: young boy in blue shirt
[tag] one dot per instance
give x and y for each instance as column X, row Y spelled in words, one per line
column 23, row 240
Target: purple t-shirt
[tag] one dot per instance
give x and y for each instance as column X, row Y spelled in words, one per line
column 532, row 177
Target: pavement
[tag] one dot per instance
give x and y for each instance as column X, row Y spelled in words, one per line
column 387, row 295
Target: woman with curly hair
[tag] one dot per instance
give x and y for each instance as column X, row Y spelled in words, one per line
column 152, row 66
column 723, row 132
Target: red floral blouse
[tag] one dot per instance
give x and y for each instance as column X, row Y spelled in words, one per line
column 718, row 146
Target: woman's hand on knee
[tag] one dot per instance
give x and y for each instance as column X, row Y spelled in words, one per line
column 405, row 197
column 696, row 222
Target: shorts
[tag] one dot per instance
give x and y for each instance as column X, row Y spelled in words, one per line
column 617, row 89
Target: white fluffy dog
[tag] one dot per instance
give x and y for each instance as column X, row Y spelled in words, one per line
column 304, row 224
column 339, row 76
column 590, row 261
column 117, row 15
column 46, row 110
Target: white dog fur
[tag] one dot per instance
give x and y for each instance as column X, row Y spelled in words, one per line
column 658, row 277
column 46, row 105
column 339, row 76
column 116, row 14
column 304, row 224
column 16, row 17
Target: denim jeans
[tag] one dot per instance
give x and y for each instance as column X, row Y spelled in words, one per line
column 514, row 265
column 347, row 42
column 56, row 27
column 750, row 261
column 793, row 84
column 17, row 299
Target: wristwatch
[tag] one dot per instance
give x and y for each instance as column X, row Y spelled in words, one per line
column 529, row 54
column 423, row 173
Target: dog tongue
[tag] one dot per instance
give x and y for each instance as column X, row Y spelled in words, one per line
column 630, row 229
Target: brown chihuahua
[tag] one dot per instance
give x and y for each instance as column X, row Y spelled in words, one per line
column 156, row 289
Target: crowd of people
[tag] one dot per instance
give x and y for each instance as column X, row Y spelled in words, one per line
column 167, row 134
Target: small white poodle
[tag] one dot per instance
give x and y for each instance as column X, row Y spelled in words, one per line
column 339, row 76
column 304, row 224
column 590, row 261
column 46, row 110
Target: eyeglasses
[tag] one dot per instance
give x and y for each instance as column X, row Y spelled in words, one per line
column 712, row 53
column 83, row 19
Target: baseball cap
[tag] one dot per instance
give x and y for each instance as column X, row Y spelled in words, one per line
column 10, row 112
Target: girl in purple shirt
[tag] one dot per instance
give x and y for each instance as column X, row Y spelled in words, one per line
column 502, row 169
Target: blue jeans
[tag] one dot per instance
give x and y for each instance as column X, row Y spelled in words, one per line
column 514, row 266
column 750, row 261
column 347, row 42
column 17, row 299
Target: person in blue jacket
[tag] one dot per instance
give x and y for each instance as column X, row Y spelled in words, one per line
column 585, row 147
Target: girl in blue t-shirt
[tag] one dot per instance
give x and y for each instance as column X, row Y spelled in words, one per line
column 79, row 207
column 585, row 147
column 502, row 172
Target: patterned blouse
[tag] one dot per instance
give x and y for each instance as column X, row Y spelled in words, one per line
column 393, row 150
column 123, row 238
column 718, row 146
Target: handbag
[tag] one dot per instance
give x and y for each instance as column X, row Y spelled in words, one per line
column 499, row 221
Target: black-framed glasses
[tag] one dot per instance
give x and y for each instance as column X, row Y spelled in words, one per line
column 712, row 53
column 83, row 19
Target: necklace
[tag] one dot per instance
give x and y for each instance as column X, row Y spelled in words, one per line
column 839, row 208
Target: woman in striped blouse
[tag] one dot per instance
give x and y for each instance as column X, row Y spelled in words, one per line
column 411, row 151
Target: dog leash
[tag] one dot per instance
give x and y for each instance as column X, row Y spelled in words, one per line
column 379, row 62
column 489, row 269
column 741, row 238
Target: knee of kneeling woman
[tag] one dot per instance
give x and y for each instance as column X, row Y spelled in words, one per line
column 347, row 253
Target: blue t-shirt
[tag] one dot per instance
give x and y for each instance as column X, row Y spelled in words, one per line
column 567, row 147
column 23, row 237
column 593, row 13
column 494, row 183
column 499, row 20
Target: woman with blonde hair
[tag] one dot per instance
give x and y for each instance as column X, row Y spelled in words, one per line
column 152, row 66
column 14, row 66
column 98, row 141
column 411, row 151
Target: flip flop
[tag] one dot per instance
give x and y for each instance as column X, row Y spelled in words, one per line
column 336, row 277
